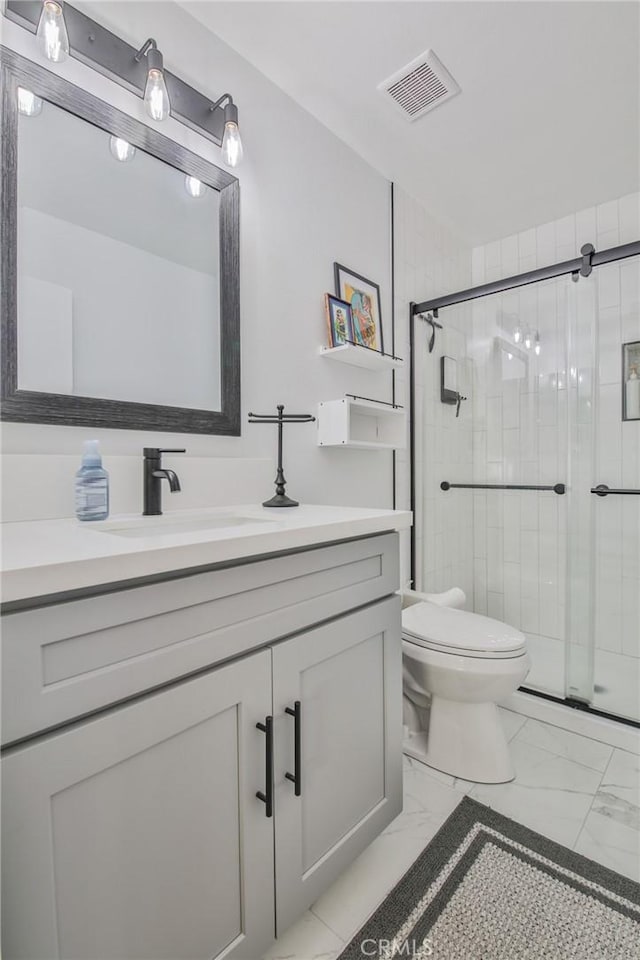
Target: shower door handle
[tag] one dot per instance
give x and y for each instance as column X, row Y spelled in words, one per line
column 602, row 490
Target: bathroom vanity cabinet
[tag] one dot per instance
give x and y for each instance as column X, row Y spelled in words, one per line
column 136, row 724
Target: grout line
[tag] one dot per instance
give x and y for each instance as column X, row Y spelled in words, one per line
column 327, row 925
column 561, row 756
column 591, row 810
column 604, row 772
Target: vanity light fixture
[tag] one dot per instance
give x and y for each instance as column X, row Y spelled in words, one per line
column 517, row 335
column 52, row 32
column 194, row 187
column 232, row 151
column 527, row 340
column 63, row 29
column 121, row 150
column 156, row 96
column 28, row 104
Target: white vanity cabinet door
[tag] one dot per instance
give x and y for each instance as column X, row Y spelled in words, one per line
column 347, row 677
column 138, row 834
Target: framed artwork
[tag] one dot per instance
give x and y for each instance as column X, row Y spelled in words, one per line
column 339, row 324
column 364, row 297
column 631, row 380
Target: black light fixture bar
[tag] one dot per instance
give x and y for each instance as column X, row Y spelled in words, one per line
column 575, row 266
column 114, row 58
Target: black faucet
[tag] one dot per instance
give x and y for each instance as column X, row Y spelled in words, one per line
column 154, row 472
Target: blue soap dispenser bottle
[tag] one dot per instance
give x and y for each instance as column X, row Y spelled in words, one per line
column 92, row 485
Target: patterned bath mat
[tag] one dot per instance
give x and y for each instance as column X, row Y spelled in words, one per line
column 487, row 888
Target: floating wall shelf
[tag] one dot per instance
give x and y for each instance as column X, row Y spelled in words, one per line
column 361, row 423
column 358, row 356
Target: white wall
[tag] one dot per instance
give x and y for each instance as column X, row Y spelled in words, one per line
column 306, row 200
column 430, row 261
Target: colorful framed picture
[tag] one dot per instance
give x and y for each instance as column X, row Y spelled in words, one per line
column 364, row 297
column 339, row 323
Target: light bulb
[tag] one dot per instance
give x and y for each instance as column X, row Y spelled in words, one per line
column 194, row 187
column 231, row 144
column 537, row 347
column 121, row 150
column 517, row 335
column 156, row 97
column 527, row 340
column 52, row 32
column 28, row 104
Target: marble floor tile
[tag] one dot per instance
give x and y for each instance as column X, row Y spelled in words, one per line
column 308, row 939
column 611, row 843
column 622, row 777
column 549, row 794
column 512, row 722
column 571, row 746
column 357, row 893
column 615, row 808
column 568, row 787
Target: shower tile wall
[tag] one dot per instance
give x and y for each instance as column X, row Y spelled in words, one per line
column 430, row 261
column 526, row 413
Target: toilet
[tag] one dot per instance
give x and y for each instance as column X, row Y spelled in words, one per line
column 457, row 666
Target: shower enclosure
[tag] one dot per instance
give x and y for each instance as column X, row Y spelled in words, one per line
column 529, row 498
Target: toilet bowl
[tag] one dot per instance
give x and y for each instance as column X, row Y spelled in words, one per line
column 457, row 666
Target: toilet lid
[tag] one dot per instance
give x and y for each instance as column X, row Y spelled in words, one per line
column 460, row 631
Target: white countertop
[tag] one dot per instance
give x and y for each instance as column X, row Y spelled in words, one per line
column 44, row 557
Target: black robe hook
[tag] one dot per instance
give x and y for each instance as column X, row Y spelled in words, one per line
column 432, row 320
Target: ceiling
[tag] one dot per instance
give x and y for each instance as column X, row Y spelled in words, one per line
column 548, row 121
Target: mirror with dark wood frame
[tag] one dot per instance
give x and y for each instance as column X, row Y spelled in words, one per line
column 120, row 267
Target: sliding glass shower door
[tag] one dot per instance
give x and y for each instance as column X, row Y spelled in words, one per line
column 520, row 363
column 542, row 365
column 603, row 652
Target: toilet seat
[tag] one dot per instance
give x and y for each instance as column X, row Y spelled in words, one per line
column 460, row 632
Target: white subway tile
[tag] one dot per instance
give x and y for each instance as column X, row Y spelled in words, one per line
column 607, row 224
column 629, row 217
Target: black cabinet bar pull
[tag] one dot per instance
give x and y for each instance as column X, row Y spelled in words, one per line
column 267, row 796
column 296, row 778
column 602, row 490
column 558, row 488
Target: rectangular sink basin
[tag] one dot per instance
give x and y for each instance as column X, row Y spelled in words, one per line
column 166, row 526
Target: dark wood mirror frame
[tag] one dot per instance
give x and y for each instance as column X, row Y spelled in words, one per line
column 28, row 406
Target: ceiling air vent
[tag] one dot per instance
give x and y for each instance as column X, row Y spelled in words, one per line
column 420, row 86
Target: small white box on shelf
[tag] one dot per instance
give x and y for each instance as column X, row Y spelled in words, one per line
column 352, row 422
